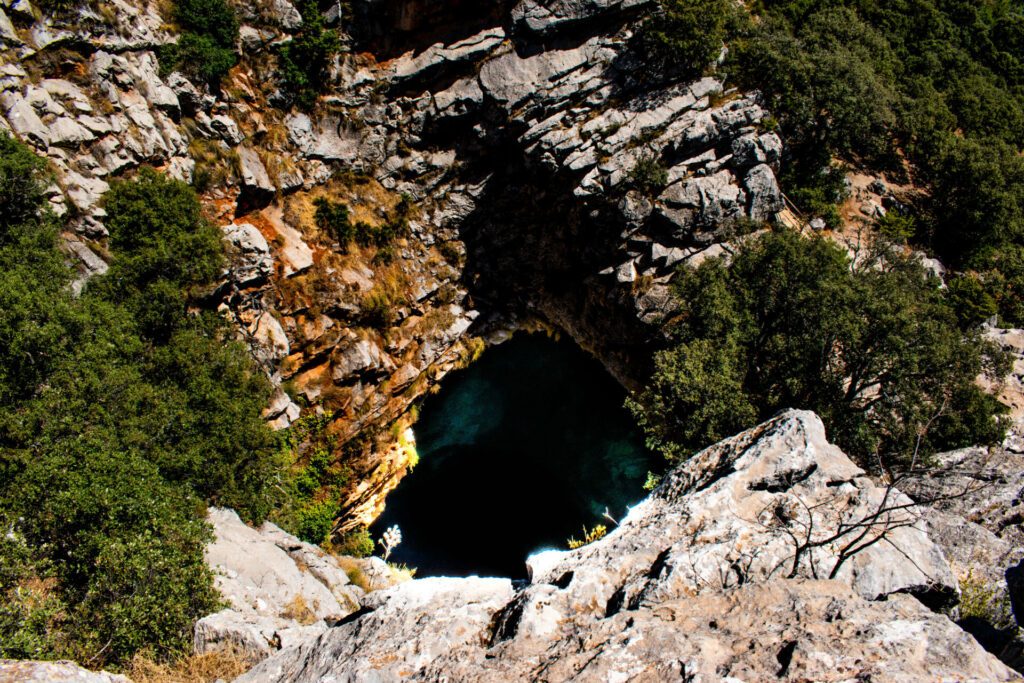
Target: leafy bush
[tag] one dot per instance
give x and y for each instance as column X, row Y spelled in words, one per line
column 938, row 83
column 316, row 478
column 895, row 227
column 649, row 175
column 214, row 19
column 206, row 49
column 355, row 543
column 314, row 521
column 303, row 61
column 198, row 57
column 333, row 219
column 686, row 35
column 876, row 352
column 22, row 184
column 967, row 296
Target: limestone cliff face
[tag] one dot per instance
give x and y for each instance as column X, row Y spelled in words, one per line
column 769, row 555
column 510, row 146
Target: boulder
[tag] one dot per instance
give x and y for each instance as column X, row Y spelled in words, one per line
column 24, row 121
column 256, row 181
column 190, row 99
column 53, row 672
column 249, row 252
column 218, row 126
column 285, row 15
column 764, row 195
column 411, row 67
column 8, row 34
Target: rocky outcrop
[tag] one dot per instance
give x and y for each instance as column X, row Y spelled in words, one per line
column 769, row 555
column 279, row 590
column 53, row 672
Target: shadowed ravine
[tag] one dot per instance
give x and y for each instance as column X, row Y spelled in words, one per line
column 516, row 453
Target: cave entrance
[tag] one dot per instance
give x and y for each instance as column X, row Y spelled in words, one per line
column 517, row 452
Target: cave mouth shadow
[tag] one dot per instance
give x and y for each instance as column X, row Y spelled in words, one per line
column 389, row 28
column 517, row 453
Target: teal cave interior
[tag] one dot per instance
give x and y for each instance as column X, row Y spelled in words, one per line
column 517, row 453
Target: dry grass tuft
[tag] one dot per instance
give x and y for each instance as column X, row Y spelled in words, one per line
column 298, row 610
column 205, row 668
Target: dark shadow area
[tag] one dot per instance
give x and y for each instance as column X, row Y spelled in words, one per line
column 388, row 28
column 517, row 453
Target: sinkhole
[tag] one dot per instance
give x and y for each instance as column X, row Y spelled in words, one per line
column 517, row 453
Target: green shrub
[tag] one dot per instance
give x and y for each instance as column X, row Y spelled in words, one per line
column 967, row 296
column 333, row 220
column 649, row 175
column 198, row 57
column 23, row 179
column 686, row 35
column 206, row 49
column 931, row 91
column 896, row 227
column 876, row 353
column 314, row 521
column 157, row 233
column 214, row 19
column 355, row 543
column 303, row 61
column 122, row 414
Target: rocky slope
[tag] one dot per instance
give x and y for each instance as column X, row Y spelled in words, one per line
column 511, row 144
column 769, row 555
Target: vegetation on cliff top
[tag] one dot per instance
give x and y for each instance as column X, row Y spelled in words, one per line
column 874, row 348
column 122, row 412
column 929, row 91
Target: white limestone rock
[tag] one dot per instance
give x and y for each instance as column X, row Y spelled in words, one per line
column 701, row 581
column 277, row 588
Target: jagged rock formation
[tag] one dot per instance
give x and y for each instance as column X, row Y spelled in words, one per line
column 280, row 591
column 769, row 555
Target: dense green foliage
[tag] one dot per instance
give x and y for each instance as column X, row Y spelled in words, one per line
column 938, row 83
column 686, row 35
column 206, row 49
column 875, row 351
column 303, row 61
column 315, row 479
column 121, row 414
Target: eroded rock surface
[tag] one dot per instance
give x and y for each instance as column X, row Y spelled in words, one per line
column 53, row 672
column 280, row 590
column 703, row 581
